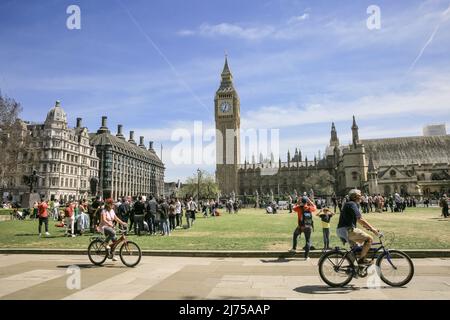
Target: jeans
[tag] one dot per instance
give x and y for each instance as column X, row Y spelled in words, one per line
column 165, row 226
column 138, row 224
column 172, row 222
column 151, row 223
column 132, row 223
column 297, row 232
column 110, row 234
column 43, row 221
column 326, row 238
column 179, row 218
column 188, row 219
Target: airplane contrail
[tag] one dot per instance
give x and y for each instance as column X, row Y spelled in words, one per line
column 445, row 15
column 424, row 47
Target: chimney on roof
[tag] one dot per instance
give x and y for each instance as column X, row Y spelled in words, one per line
column 150, row 145
column 131, row 140
column 141, row 142
column 103, row 128
column 119, row 132
column 79, row 122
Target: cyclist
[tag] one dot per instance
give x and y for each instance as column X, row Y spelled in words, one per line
column 347, row 226
column 107, row 219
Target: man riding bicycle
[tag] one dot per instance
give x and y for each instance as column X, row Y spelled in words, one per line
column 347, row 229
column 108, row 217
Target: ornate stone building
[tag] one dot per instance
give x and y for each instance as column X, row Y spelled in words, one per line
column 416, row 166
column 126, row 168
column 62, row 156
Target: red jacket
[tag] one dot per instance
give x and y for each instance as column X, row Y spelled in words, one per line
column 301, row 209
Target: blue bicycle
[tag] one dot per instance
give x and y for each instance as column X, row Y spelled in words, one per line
column 339, row 266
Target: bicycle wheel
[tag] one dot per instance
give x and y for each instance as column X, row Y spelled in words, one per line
column 130, row 254
column 395, row 268
column 97, row 252
column 335, row 269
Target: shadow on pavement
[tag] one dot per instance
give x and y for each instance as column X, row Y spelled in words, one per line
column 91, row 266
column 278, row 260
column 325, row 289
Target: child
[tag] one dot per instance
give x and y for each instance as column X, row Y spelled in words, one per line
column 325, row 215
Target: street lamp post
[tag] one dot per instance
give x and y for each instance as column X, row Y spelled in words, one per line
column 198, row 184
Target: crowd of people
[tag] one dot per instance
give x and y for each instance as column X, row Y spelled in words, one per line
column 152, row 216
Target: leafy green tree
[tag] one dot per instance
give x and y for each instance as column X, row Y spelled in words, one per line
column 320, row 182
column 209, row 189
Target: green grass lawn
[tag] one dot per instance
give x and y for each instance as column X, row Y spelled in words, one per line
column 250, row 229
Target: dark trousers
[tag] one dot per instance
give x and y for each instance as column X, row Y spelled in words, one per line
column 172, row 222
column 297, row 232
column 131, row 222
column 326, row 238
column 445, row 212
column 43, row 221
column 151, row 223
column 138, row 224
column 179, row 218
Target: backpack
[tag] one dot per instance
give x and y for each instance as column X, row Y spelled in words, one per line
column 307, row 219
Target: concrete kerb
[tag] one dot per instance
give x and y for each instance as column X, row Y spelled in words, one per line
column 413, row 253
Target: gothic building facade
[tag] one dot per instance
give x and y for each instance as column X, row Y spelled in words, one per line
column 416, row 166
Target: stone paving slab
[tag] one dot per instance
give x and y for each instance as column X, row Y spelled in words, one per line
column 157, row 278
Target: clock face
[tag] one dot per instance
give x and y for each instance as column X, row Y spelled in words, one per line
column 225, row 107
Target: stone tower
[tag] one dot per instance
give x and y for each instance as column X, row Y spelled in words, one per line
column 227, row 117
column 372, row 175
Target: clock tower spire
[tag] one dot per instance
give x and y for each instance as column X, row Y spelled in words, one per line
column 227, row 117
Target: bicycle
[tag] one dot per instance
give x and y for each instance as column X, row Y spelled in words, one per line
column 130, row 253
column 394, row 267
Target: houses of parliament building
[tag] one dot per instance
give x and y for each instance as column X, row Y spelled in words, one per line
column 416, row 166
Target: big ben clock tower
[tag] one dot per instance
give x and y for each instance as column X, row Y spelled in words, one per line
column 227, row 116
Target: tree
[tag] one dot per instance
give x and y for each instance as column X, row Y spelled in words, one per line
column 320, row 182
column 209, row 189
column 14, row 140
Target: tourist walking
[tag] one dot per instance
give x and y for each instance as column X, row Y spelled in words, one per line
column 139, row 212
column 191, row 208
column 443, row 203
column 70, row 219
column 152, row 208
column 43, row 217
column 172, row 215
column 178, row 213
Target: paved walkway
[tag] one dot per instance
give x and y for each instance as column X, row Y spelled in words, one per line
column 46, row 277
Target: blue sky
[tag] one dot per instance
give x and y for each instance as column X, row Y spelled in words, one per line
column 154, row 66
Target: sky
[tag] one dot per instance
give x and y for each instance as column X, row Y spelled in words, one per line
column 154, row 67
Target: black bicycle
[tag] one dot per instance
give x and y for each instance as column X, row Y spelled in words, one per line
column 129, row 252
column 339, row 266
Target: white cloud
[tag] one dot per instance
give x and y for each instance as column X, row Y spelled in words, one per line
column 297, row 19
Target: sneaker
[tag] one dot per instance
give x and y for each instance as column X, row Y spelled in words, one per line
column 292, row 250
column 307, row 258
column 40, row 234
column 73, row 236
column 114, row 259
column 47, row 234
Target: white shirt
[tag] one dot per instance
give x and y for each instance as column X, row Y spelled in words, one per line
column 178, row 207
